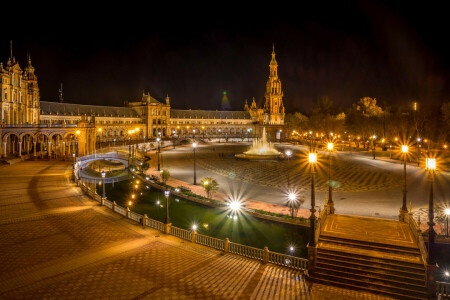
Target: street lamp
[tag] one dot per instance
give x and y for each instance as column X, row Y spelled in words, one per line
column 373, row 145
column 288, row 154
column 292, row 201
column 166, row 194
column 431, row 168
column 312, row 219
column 330, row 188
column 103, row 183
column 403, row 209
column 194, row 145
column 159, row 150
column 447, row 212
column 418, row 150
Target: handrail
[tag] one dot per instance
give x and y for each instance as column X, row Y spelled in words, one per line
column 418, row 237
column 265, row 255
column 322, row 217
column 288, row 261
column 181, row 233
column 154, row 224
column 246, row 251
column 210, row 241
column 442, row 289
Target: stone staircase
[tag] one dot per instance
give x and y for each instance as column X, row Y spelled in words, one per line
column 389, row 268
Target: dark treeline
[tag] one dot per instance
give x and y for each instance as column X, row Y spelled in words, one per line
column 367, row 118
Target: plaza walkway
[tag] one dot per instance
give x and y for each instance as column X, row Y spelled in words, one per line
column 55, row 243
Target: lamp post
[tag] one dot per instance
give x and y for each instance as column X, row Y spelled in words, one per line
column 76, row 141
column 103, row 183
column 220, row 134
column 99, row 138
column 330, row 188
column 447, row 212
column 431, row 167
column 312, row 218
column 418, row 150
column 159, row 149
column 373, row 145
column 403, row 209
column 203, row 131
column 194, row 145
column 166, row 194
column 288, row 154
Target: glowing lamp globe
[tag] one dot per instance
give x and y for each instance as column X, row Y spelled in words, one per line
column 235, row 205
column 431, row 164
column 405, row 148
column 312, row 157
column 330, row 146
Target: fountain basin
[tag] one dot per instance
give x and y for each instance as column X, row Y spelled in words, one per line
column 259, row 156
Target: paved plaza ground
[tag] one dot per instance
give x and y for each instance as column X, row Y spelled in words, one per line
column 364, row 186
column 57, row 244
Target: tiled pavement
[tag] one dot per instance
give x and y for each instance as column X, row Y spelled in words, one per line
column 348, row 175
column 55, row 243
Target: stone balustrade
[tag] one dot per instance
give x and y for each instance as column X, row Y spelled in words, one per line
column 263, row 255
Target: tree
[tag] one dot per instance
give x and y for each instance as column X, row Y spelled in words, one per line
column 365, row 119
column 297, row 121
column 165, row 175
column 210, row 185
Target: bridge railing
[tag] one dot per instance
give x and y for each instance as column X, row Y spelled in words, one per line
column 263, row 255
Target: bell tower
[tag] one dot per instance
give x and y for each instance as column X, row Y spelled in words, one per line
column 273, row 107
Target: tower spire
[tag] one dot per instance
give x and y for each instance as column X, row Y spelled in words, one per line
column 10, row 49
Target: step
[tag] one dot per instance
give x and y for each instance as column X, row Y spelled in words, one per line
column 386, row 277
column 392, row 258
column 371, row 260
column 369, row 282
column 373, row 267
column 400, row 294
column 369, row 245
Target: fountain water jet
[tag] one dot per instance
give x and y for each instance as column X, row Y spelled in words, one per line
column 261, row 149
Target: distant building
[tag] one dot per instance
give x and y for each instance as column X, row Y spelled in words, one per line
column 57, row 129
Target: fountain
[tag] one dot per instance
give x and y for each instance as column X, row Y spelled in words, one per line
column 261, row 149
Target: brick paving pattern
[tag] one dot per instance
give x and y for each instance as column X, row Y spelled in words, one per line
column 57, row 244
column 348, row 175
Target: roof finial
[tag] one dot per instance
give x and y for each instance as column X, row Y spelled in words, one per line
column 10, row 49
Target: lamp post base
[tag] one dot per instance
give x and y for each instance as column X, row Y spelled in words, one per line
column 403, row 216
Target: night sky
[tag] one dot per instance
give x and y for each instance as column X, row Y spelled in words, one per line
column 346, row 50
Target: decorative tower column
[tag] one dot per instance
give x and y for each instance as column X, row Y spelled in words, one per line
column 273, row 107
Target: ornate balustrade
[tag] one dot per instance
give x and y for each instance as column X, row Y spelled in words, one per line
column 246, row 251
column 288, row 261
column 210, row 242
column 417, row 233
column 322, row 217
column 181, row 233
column 264, row 256
column 442, row 290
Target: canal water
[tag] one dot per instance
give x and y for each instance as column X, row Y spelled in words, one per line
column 215, row 222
